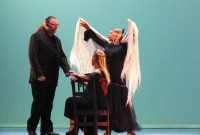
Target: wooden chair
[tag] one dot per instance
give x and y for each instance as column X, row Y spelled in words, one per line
column 78, row 89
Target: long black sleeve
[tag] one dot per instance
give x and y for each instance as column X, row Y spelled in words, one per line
column 64, row 62
column 90, row 34
column 33, row 55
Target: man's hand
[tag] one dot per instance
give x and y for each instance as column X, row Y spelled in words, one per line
column 68, row 73
column 41, row 78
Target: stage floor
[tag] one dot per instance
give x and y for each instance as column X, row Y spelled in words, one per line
column 142, row 132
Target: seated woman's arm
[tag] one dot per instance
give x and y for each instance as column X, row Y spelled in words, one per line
column 85, row 76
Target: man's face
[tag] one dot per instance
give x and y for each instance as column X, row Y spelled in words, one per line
column 53, row 25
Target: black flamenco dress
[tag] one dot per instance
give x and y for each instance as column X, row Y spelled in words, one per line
column 122, row 117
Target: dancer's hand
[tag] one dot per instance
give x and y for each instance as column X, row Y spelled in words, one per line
column 84, row 24
column 74, row 75
column 74, row 78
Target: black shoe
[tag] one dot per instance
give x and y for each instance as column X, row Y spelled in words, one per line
column 49, row 133
column 72, row 132
column 31, row 132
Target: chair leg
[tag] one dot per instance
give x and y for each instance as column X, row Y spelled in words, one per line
column 84, row 128
column 96, row 131
column 107, row 132
column 74, row 131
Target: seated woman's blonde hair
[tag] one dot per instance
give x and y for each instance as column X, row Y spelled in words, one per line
column 101, row 59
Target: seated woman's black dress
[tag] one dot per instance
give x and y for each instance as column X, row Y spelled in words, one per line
column 122, row 118
column 85, row 102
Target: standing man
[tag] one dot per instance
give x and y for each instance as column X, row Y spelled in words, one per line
column 46, row 56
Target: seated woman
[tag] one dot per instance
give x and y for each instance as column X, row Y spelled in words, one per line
column 102, row 79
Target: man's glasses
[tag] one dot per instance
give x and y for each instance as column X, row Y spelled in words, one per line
column 54, row 24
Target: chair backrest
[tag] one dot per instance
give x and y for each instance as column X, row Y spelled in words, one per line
column 79, row 89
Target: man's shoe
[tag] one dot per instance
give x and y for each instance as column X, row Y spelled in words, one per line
column 49, row 133
column 31, row 132
column 133, row 133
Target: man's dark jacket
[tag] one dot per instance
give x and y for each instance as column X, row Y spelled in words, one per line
column 46, row 56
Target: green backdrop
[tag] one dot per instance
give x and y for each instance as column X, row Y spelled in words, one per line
column 169, row 30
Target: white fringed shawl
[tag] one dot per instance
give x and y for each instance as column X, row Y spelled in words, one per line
column 131, row 70
column 82, row 51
